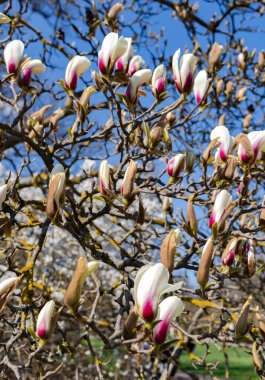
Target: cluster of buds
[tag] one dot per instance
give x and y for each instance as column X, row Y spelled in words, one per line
column 23, row 68
column 150, row 284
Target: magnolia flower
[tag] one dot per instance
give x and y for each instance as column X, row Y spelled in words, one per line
column 12, row 54
column 112, row 49
column 201, row 83
column 56, row 191
column 139, row 78
column 75, row 69
column 221, row 204
column 176, row 165
column 4, row 19
column 122, row 63
column 3, row 193
column 159, row 81
column 82, row 271
column 225, row 140
column 230, row 252
column 30, row 67
column 257, row 141
column 136, row 64
column 184, row 71
column 169, row 309
column 150, row 283
column 104, row 177
column 44, row 321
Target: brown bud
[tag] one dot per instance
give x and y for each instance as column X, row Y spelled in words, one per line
column 246, row 121
column 168, row 249
column 262, row 214
column 221, row 120
column 242, row 322
column 86, row 94
column 115, row 10
column 205, row 264
column 208, row 151
column 129, row 329
column 156, row 135
column 73, row 292
column 229, row 88
column 56, row 192
column 259, row 321
column 256, row 359
column 192, row 220
column 219, row 88
column 39, row 115
column 240, row 95
column 225, row 215
column 261, row 60
column 251, row 259
column 128, row 180
column 167, row 206
column 215, row 54
column 230, row 168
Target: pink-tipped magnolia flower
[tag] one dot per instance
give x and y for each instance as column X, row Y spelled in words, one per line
column 75, row 69
column 112, row 49
column 44, row 321
column 230, row 253
column 12, row 54
column 4, row 19
column 136, row 64
column 201, row 83
column 169, row 309
column 224, row 139
column 176, row 165
column 104, row 177
column 30, row 67
column 257, row 141
column 150, row 283
column 183, row 71
column 122, row 63
column 139, row 78
column 222, row 202
column 159, row 81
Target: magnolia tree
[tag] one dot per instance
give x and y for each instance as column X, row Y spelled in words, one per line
column 132, row 183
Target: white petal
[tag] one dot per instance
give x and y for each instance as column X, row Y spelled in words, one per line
column 13, row 52
column 175, row 65
column 77, row 66
column 35, row 65
column 119, row 49
column 108, row 45
column 200, row 83
column 139, row 78
column 222, row 201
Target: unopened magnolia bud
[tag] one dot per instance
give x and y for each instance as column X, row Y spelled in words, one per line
column 114, row 11
column 240, row 95
column 205, row 264
column 56, row 193
column 128, row 180
column 167, row 206
column 242, row 322
column 104, row 178
column 219, row 89
column 176, row 165
column 260, row 323
column 251, row 259
column 45, row 326
column 129, row 329
column 241, row 61
column 38, row 116
column 221, row 120
column 156, row 135
column 246, row 121
column 170, row 117
column 230, row 168
column 168, row 249
column 262, row 213
column 229, row 88
column 256, row 359
column 191, row 215
column 214, row 55
column 261, row 60
column 85, row 97
column 245, row 150
column 230, row 252
column 82, row 271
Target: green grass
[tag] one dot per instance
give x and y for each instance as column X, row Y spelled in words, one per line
column 240, row 363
